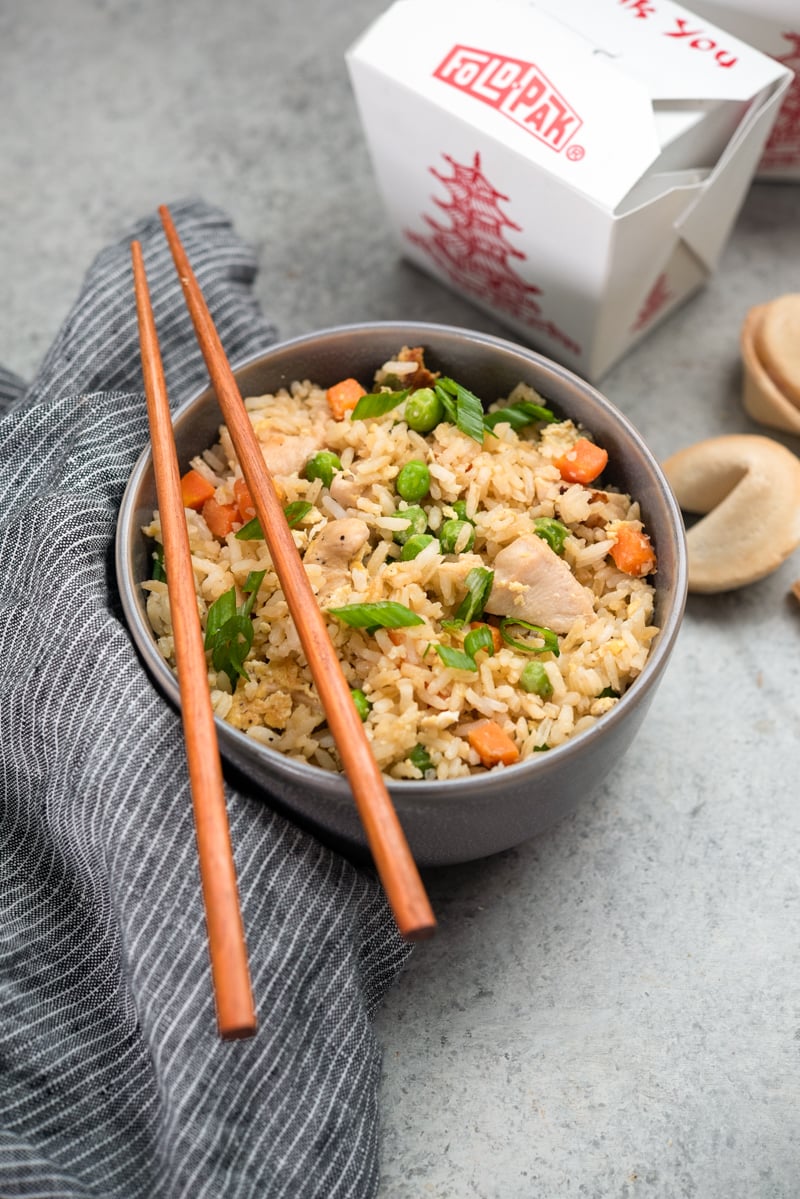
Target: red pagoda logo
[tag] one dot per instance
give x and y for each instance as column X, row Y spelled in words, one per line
column 783, row 147
column 515, row 88
column 472, row 250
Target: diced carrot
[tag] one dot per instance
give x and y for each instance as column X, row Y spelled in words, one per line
column 220, row 518
column 492, row 744
column 497, row 640
column 344, row 396
column 244, row 501
column 632, row 552
column 395, row 636
column 195, row 490
column 583, row 463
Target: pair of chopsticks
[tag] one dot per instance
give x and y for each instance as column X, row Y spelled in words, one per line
column 387, row 841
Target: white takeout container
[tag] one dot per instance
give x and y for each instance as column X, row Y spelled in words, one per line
column 572, row 166
column 774, row 27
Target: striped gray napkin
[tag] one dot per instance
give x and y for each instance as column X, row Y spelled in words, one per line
column 112, row 1079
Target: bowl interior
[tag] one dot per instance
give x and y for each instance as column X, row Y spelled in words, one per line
column 491, row 367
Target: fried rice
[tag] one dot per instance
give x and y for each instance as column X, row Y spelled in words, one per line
column 425, row 708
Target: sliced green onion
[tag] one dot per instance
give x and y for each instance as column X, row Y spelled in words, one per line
column 229, row 633
column 479, row 639
column 231, row 646
column 456, row 659
column 551, row 531
column 221, row 611
column 518, row 415
column 383, row 614
column 159, row 570
column 252, row 531
column 452, row 626
column 294, row 513
column 609, row 693
column 378, row 404
column 251, row 586
column 448, row 403
column 468, row 408
column 479, row 584
column 547, row 635
column 420, row 758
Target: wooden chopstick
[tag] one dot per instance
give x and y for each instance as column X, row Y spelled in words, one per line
column 230, row 973
column 394, row 863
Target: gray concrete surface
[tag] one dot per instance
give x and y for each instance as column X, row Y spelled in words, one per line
column 614, row 1009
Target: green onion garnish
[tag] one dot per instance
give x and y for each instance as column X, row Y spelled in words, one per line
column 252, row 531
column 383, row 614
column 467, row 411
column 456, row 659
column 518, row 415
column 479, row 639
column 221, row 611
column 229, row 633
column 479, row 584
column 251, row 586
column 159, row 570
column 551, row 531
column 609, row 693
column 294, row 513
column 378, row 404
column 547, row 635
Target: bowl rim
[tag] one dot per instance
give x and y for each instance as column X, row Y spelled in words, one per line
column 410, row 790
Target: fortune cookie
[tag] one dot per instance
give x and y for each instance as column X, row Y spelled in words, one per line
column 747, row 489
column 770, row 346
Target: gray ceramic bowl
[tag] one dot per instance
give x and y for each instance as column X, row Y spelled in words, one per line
column 460, row 819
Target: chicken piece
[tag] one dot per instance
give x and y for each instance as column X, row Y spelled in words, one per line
column 287, row 454
column 533, row 583
column 345, row 488
column 334, row 550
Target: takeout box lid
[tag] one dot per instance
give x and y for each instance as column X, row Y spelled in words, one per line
column 617, row 92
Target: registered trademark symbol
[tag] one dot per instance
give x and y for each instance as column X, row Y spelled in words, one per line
column 575, row 153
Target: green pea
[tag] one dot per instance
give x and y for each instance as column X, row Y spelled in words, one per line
column 551, row 531
column 451, row 531
column 415, row 545
column 420, row 758
column 418, row 519
column 414, row 481
column 424, row 410
column 323, row 466
column 460, row 509
column 535, row 678
column 362, row 704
